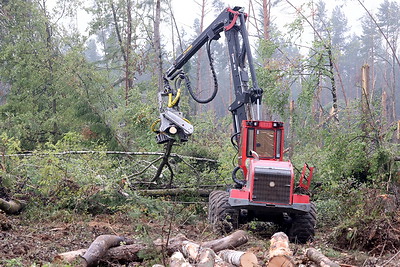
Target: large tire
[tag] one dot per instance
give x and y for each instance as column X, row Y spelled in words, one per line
column 222, row 217
column 302, row 228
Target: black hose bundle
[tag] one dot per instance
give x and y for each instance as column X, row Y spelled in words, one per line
column 188, row 85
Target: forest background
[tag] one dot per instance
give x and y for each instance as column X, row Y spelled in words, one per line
column 76, row 110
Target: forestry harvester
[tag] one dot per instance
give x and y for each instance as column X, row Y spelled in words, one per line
column 268, row 191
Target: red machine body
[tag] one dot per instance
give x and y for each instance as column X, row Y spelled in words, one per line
column 269, row 180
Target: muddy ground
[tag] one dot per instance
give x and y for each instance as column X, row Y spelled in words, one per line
column 36, row 241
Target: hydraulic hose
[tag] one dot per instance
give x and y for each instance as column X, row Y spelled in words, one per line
column 214, row 93
column 240, row 183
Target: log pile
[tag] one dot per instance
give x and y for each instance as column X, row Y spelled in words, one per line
column 181, row 252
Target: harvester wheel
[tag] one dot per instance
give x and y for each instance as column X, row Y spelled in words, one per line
column 303, row 226
column 221, row 215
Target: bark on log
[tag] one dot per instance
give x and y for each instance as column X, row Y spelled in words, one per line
column 174, row 244
column 106, row 252
column 279, row 251
column 191, row 250
column 99, row 247
column 219, row 262
column 231, row 241
column 178, row 260
column 126, row 253
column 239, row 258
column 120, row 253
column 12, row 206
column 175, row 192
column 206, row 258
column 319, row 258
column 234, row 240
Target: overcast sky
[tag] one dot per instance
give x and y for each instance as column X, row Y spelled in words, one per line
column 187, row 10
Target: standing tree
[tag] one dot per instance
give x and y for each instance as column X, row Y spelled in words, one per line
column 388, row 19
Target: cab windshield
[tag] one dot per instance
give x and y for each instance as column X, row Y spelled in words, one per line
column 263, row 142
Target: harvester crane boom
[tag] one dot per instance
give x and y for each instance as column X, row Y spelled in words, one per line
column 247, row 103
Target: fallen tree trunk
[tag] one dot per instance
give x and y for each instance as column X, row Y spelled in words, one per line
column 12, row 206
column 231, row 241
column 239, row 258
column 102, row 250
column 120, row 253
column 99, row 247
column 279, row 251
column 128, row 252
column 175, row 192
column 319, row 258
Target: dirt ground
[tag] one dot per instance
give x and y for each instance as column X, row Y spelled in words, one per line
column 35, row 243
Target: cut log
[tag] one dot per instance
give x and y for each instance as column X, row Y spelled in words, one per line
column 234, row 240
column 70, row 256
column 279, row 251
column 178, row 260
column 191, row 250
column 219, row 262
column 102, row 248
column 319, row 258
column 99, row 248
column 239, row 258
column 174, row 244
column 127, row 253
column 206, row 258
column 231, row 241
column 12, row 206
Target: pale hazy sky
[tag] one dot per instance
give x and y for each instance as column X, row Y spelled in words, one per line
column 187, row 10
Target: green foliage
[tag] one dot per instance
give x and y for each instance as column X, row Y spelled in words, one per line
column 12, row 263
column 273, row 79
column 348, row 161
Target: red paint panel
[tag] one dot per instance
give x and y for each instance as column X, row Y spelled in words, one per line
column 301, row 198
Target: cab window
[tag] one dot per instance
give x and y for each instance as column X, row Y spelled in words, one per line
column 264, row 145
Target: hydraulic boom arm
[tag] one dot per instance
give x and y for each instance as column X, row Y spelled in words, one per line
column 247, row 103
